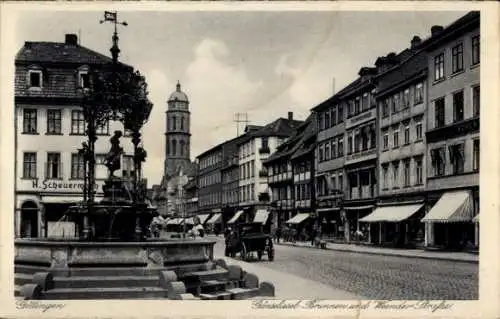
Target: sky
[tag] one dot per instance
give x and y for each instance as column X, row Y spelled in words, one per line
column 263, row 63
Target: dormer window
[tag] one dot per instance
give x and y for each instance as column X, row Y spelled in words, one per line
column 84, row 79
column 35, row 78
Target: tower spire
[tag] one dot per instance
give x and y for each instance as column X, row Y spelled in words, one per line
column 178, row 86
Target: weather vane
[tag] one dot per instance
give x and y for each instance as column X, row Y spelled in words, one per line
column 112, row 17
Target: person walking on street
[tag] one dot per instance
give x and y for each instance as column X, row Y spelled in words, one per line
column 278, row 234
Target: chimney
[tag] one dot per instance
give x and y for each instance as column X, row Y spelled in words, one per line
column 71, row 39
column 290, row 116
column 436, row 29
column 415, row 42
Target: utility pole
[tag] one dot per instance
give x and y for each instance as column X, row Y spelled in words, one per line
column 240, row 118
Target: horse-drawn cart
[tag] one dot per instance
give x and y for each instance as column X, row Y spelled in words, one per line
column 249, row 238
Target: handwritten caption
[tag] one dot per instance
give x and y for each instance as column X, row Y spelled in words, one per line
column 426, row 305
column 37, row 305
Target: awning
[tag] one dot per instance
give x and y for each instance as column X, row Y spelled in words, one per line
column 203, row 218
column 297, row 219
column 61, row 199
column 329, row 209
column 261, row 216
column 357, row 207
column 235, row 217
column 175, row 221
column 451, row 207
column 214, row 219
column 476, row 219
column 394, row 213
column 189, row 221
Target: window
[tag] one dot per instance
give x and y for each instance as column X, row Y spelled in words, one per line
column 265, row 144
column 351, row 108
column 174, row 147
column 334, row 149
column 77, row 122
column 77, row 165
column 320, row 121
column 349, row 143
column 321, row 158
column 340, row 114
column 252, row 166
column 53, row 121
column 406, row 173
column 385, row 172
column 84, row 80
column 385, row 141
column 476, row 156
column 418, row 130
column 357, row 105
column 103, row 129
column 53, row 169
column 366, row 102
column 419, row 93
column 475, row 50
column 340, row 145
column 327, row 119
column 476, row 101
column 418, row 171
column 407, row 135
column 457, row 58
column 174, row 123
column 395, row 103
column 334, row 116
column 29, row 165
column 182, row 123
column 30, row 121
column 406, row 98
column 385, row 108
column 35, row 78
column 457, row 158
column 395, row 166
column 438, row 161
column 458, row 106
column 341, row 181
column 327, row 151
column 439, row 112
column 439, row 67
column 395, row 136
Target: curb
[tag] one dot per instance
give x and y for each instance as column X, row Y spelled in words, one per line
column 386, row 254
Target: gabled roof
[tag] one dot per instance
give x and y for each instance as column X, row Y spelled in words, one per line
column 280, row 127
column 58, row 52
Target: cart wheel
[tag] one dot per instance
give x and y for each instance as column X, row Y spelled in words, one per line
column 243, row 252
column 259, row 254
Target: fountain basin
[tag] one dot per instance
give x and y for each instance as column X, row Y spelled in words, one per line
column 60, row 254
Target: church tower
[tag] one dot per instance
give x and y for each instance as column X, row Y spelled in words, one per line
column 178, row 133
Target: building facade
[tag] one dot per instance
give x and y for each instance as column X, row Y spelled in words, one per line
column 49, row 129
column 253, row 150
column 210, row 180
column 453, row 133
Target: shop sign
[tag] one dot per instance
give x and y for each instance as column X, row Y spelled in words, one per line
column 50, row 184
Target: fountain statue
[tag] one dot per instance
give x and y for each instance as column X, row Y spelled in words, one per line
column 113, row 157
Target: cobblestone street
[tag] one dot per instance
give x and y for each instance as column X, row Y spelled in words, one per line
column 377, row 277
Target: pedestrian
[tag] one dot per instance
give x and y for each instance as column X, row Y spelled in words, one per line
column 278, row 234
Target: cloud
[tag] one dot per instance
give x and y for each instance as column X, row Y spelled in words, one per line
column 217, row 89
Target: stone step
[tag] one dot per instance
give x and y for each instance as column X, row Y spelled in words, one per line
column 17, row 291
column 243, row 293
column 216, row 296
column 29, row 269
column 212, row 286
column 214, row 274
column 23, row 278
column 106, row 293
column 105, row 281
column 110, row 271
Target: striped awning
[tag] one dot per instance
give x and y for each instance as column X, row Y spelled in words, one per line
column 476, row 219
column 451, row 207
column 261, row 216
column 203, row 218
column 297, row 219
column 235, row 217
column 214, row 219
column 393, row 214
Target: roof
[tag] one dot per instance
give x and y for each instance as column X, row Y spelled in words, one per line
column 281, row 127
column 59, row 52
column 178, row 95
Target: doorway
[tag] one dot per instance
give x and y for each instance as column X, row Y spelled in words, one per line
column 29, row 220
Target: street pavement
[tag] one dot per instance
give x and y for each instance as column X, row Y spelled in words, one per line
column 373, row 276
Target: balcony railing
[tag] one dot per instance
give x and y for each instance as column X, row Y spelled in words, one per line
column 280, row 177
column 361, row 154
